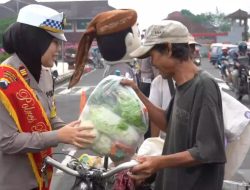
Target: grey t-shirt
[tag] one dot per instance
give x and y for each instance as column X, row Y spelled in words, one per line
column 195, row 125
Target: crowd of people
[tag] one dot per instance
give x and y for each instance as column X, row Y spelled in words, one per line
column 184, row 103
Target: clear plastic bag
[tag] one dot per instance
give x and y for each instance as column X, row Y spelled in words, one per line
column 119, row 117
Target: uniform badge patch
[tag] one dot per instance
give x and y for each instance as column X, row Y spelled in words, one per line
column 4, row 83
column 23, row 71
column 8, row 77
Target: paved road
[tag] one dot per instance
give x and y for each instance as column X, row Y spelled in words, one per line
column 68, row 108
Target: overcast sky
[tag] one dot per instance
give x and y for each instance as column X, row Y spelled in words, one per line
column 151, row 10
column 158, row 9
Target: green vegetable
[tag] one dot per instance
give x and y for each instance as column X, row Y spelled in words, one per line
column 116, row 112
column 130, row 110
column 110, row 124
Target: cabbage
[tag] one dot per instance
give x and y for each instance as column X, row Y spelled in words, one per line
column 119, row 117
column 109, row 123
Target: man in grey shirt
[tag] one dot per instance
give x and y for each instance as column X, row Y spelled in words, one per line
column 193, row 156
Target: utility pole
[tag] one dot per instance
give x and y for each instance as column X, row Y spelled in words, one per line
column 9, row 9
column 17, row 6
column 15, row 11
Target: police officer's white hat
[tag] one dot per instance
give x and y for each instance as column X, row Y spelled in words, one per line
column 43, row 17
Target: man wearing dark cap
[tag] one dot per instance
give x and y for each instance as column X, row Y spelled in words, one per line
column 117, row 36
column 193, row 156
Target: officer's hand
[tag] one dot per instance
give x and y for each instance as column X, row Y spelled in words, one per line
column 79, row 135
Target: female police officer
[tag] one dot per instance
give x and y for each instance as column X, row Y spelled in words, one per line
column 27, row 113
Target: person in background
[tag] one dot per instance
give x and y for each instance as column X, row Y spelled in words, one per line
column 224, row 56
column 147, row 74
column 242, row 59
column 194, row 151
column 160, row 95
column 27, row 108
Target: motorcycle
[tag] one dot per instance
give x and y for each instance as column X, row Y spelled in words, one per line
column 244, row 81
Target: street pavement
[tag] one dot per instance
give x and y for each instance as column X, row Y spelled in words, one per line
column 68, row 101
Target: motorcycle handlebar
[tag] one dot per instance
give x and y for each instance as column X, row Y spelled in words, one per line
column 66, row 169
column 119, row 168
column 60, row 166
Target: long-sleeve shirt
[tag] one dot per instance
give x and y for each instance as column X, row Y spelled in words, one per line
column 16, row 171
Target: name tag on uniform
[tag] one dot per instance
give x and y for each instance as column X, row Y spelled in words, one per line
column 53, row 109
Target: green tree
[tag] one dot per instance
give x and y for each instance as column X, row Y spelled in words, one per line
column 218, row 19
column 4, row 23
column 3, row 56
column 187, row 13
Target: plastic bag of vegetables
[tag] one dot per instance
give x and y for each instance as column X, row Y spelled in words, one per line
column 119, row 117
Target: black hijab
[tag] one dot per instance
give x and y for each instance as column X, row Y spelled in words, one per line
column 29, row 43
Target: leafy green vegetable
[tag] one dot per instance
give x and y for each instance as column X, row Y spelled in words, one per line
column 117, row 114
column 130, row 110
column 109, row 123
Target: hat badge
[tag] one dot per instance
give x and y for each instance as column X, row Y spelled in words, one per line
column 52, row 25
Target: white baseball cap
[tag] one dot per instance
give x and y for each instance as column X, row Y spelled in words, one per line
column 43, row 17
column 192, row 40
column 166, row 31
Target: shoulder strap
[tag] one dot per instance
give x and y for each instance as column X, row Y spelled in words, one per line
column 170, row 107
column 172, row 92
column 171, row 86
